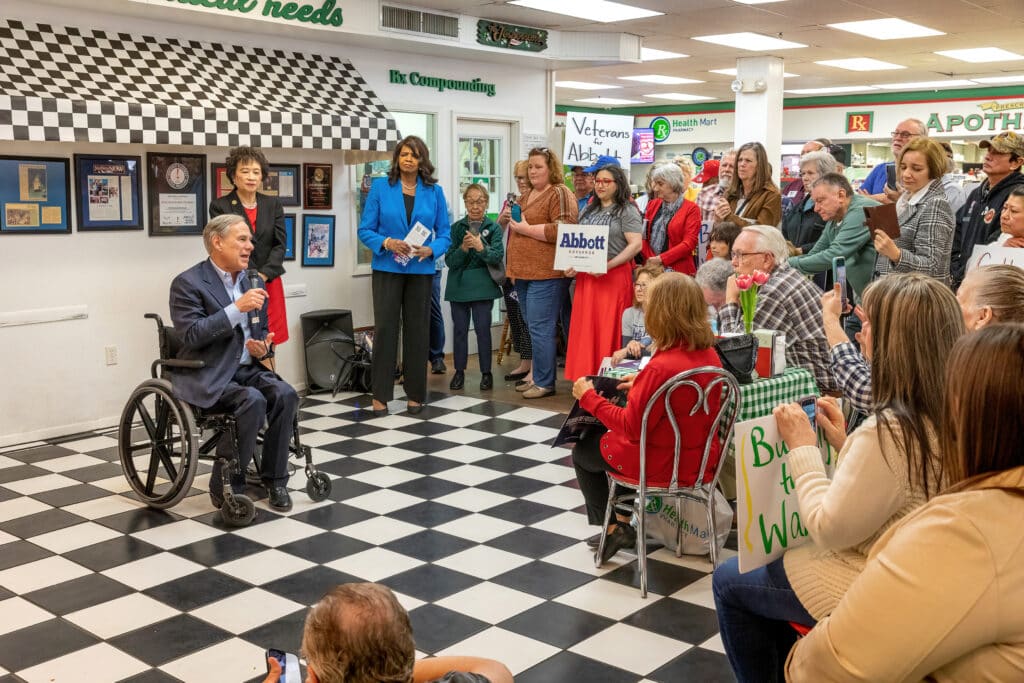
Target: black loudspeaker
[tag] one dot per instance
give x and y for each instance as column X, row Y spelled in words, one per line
column 327, row 337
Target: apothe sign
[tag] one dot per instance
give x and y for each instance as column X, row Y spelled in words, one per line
column 440, row 83
column 993, row 254
column 308, row 13
column 496, row 34
column 588, row 136
column 583, row 248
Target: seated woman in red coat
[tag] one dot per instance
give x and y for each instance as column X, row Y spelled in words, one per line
column 677, row 321
column 671, row 222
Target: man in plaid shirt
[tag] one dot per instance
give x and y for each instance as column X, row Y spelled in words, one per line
column 788, row 302
column 708, row 197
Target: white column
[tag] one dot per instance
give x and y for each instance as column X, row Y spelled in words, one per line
column 759, row 106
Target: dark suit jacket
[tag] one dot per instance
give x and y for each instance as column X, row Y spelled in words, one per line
column 198, row 299
column 269, row 234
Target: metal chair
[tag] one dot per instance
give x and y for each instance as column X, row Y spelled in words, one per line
column 720, row 432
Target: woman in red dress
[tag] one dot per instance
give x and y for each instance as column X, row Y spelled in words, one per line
column 246, row 169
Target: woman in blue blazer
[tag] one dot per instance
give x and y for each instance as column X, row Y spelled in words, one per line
column 403, row 273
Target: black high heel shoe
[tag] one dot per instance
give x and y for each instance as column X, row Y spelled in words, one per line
column 516, row 375
column 622, row 538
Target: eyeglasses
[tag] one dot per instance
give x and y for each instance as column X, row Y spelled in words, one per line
column 604, row 181
column 640, row 285
column 903, row 135
column 539, row 151
column 520, row 177
column 740, row 255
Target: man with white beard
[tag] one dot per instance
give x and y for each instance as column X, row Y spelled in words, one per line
column 708, row 198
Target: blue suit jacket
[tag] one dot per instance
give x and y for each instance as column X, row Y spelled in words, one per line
column 384, row 216
column 197, row 301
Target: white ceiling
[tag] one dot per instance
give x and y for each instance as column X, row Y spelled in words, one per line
column 967, row 23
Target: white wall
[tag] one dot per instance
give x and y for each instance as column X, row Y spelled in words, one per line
column 53, row 375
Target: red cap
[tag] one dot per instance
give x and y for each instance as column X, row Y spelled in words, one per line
column 708, row 171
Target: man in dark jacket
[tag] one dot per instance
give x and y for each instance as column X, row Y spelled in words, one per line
column 978, row 219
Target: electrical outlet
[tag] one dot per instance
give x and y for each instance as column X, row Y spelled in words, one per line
column 111, row 354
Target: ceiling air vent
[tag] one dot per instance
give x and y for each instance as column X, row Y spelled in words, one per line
column 417, row 21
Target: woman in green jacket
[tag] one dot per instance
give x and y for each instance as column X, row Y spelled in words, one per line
column 476, row 244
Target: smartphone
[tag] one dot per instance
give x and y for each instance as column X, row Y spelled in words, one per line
column 289, row 666
column 890, row 176
column 810, row 406
column 517, row 213
column 839, row 277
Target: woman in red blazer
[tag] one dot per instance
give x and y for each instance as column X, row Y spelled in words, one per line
column 676, row 318
column 671, row 223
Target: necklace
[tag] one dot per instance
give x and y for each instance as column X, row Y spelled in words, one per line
column 248, row 205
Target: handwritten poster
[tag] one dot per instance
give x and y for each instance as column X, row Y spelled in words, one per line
column 588, row 136
column 768, row 514
column 994, row 254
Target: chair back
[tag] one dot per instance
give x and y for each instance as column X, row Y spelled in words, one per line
column 724, row 419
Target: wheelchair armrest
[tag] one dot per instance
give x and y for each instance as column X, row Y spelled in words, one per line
column 175, row 363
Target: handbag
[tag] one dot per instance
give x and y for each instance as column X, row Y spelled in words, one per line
column 739, row 356
column 497, row 272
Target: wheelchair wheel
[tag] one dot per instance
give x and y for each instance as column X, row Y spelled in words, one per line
column 318, row 487
column 161, row 464
column 238, row 510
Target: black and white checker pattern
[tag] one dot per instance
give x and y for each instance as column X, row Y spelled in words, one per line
column 67, row 84
column 463, row 510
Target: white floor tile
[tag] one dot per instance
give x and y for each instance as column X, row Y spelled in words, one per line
column 464, row 436
column 177, row 534
column 31, row 576
column 279, row 532
column 92, row 443
column 104, row 664
column 478, row 527
column 264, row 567
column 465, row 454
column 19, row 507
column 22, row 446
column 408, row 602
column 6, row 462
column 388, row 455
column 19, row 613
column 325, row 423
column 385, row 476
column 483, row 561
column 121, row 615
column 98, row 508
column 471, row 499
column 552, row 474
column 607, row 598
column 326, row 409
column 383, row 501
column 375, row 564
column 699, row 593
column 457, row 402
column 631, row 648
column 389, row 437
column 246, row 610
column 459, row 419
column 490, row 602
column 315, row 439
column 699, row 562
column 714, row 643
column 74, row 537
column 541, row 452
column 7, row 538
column 390, row 422
column 517, row 652
column 152, row 571
column 69, row 462
column 232, row 660
column 571, row 524
column 117, row 484
column 379, row 530
column 469, row 475
column 527, row 415
column 534, row 433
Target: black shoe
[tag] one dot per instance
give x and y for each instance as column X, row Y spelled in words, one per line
column 623, row 538
column 380, row 412
column 516, row 376
column 458, row 380
column 279, row 498
column 594, row 541
column 414, row 410
column 438, row 367
column 486, row 381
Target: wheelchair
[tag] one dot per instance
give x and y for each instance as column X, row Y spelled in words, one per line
column 161, row 439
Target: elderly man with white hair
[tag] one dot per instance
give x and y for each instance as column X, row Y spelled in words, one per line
column 788, row 302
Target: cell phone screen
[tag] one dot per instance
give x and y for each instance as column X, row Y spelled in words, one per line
column 810, row 406
column 289, row 666
column 841, row 281
column 890, row 175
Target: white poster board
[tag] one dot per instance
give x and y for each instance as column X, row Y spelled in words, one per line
column 767, row 513
column 588, row 136
column 582, row 247
column 993, row 254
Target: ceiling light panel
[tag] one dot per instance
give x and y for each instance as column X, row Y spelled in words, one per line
column 594, row 10
column 583, row 85
column 732, row 72
column 679, row 97
column 831, row 91
column 608, row 101
column 981, row 54
column 660, row 80
column 995, row 80
column 755, row 42
column 860, row 64
column 886, row 29
column 649, row 54
column 755, row 2
column 925, row 85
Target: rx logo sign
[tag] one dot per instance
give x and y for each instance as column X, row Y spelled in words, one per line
column 662, row 129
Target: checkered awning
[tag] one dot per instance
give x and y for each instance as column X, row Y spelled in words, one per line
column 64, row 84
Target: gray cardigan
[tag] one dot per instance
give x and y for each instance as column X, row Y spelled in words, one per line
column 926, row 237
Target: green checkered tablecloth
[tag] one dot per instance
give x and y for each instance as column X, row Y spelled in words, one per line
column 761, row 396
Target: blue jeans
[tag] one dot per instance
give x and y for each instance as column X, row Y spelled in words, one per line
column 481, row 312
column 436, row 319
column 754, row 611
column 541, row 301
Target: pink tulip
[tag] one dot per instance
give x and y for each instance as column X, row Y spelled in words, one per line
column 744, row 282
column 760, row 277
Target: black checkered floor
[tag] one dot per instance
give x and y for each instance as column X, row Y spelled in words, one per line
column 463, row 510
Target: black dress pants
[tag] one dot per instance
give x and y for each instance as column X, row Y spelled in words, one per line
column 591, row 473
column 401, row 302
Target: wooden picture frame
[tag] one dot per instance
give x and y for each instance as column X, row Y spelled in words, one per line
column 317, row 186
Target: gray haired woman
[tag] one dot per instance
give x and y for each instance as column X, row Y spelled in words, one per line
column 803, row 226
column 671, row 222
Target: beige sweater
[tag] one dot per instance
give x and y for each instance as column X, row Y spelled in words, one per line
column 869, row 492
column 940, row 599
column 531, row 259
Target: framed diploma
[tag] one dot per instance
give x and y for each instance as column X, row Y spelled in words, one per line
column 283, row 182
column 34, row 195
column 318, row 240
column 289, row 237
column 317, row 186
column 177, row 193
column 107, row 192
column 219, row 180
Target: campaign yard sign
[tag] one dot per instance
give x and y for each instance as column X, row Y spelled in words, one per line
column 588, row 136
column 582, row 247
column 994, row 254
column 768, row 514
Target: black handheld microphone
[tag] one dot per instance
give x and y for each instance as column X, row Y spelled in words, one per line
column 255, row 282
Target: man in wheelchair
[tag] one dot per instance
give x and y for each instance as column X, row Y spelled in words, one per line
column 220, row 319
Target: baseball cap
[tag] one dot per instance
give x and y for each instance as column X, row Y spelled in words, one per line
column 1007, row 142
column 708, row 171
column 601, row 162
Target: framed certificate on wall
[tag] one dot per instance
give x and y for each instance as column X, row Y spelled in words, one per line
column 317, row 186
column 108, row 192
column 177, row 193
